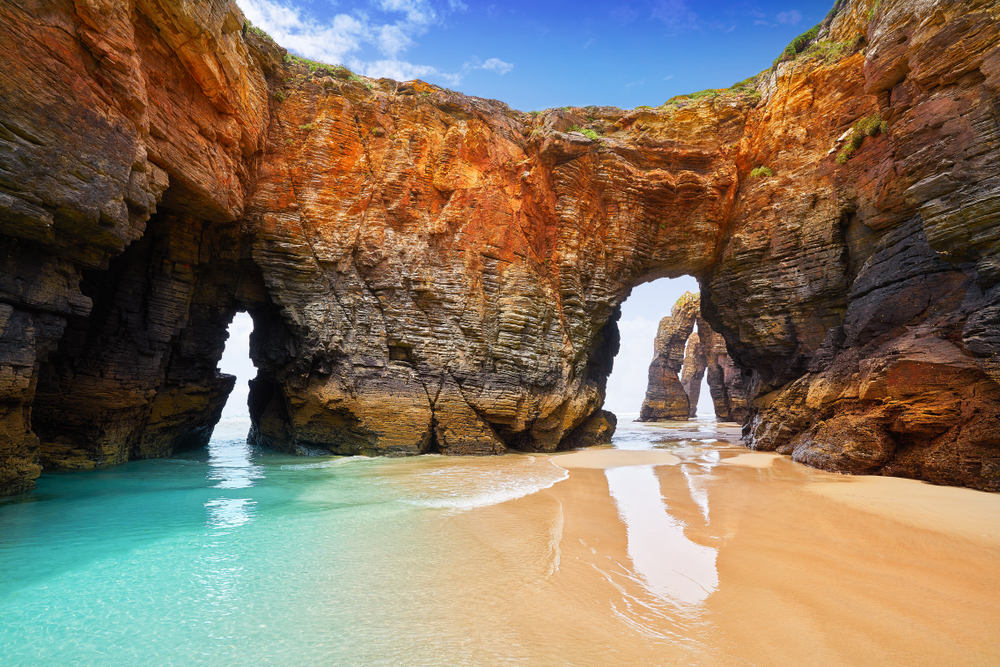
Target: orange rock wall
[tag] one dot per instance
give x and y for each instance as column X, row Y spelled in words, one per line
column 429, row 271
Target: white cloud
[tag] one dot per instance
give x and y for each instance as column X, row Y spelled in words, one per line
column 497, row 65
column 392, row 39
column 329, row 42
column 668, row 77
column 342, row 39
column 397, row 69
column 790, row 17
column 418, row 12
column 675, row 13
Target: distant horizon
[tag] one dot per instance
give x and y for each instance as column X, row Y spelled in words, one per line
column 541, row 56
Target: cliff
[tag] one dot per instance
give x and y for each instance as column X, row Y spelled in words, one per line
column 428, row 271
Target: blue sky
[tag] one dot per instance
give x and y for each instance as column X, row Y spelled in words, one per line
column 536, row 55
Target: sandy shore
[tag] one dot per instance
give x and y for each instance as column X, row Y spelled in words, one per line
column 712, row 555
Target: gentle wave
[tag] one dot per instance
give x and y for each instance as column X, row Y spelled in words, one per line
column 325, row 464
column 464, row 487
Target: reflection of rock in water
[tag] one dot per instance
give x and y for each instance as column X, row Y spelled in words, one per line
column 674, row 567
column 680, row 349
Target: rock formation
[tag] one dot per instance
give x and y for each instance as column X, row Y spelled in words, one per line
column 666, row 398
column 432, row 272
column 726, row 382
column 681, row 356
column 693, row 371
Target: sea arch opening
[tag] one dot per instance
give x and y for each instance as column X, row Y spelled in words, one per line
column 641, row 314
column 671, row 364
column 236, row 361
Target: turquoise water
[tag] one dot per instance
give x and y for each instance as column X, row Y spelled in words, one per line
column 236, row 556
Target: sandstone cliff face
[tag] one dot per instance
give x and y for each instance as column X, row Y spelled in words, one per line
column 887, row 361
column 108, row 110
column 449, row 269
column 727, row 383
column 428, row 271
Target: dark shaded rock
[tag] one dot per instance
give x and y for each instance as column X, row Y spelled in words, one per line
column 597, row 430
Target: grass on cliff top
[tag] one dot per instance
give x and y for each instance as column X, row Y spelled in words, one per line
column 250, row 27
column 745, row 90
column 808, row 44
column 590, row 134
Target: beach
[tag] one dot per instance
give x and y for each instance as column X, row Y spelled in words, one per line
column 673, row 546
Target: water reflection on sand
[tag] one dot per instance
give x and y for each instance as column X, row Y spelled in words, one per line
column 674, row 567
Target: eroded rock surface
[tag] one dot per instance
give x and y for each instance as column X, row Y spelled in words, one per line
column 433, row 272
column 107, row 111
column 727, row 383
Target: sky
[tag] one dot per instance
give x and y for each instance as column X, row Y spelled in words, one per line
column 538, row 55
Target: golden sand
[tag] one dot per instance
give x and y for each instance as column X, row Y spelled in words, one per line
column 604, row 459
column 709, row 555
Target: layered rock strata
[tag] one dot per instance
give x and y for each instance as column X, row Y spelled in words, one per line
column 449, row 270
column 693, row 371
column 433, row 272
column 887, row 362
column 107, row 111
column 727, row 383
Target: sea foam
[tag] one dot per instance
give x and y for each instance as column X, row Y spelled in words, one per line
column 489, row 481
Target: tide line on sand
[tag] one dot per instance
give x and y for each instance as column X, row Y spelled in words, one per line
column 603, row 459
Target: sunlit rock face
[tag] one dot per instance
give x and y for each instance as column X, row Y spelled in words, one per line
column 876, row 280
column 433, row 272
column 449, row 269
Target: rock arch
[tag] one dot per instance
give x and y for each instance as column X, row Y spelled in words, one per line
column 452, row 267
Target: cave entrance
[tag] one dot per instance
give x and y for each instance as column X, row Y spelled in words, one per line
column 644, row 371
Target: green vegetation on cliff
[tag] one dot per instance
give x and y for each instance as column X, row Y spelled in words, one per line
column 868, row 126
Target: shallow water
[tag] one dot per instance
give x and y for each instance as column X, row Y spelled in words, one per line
column 675, row 548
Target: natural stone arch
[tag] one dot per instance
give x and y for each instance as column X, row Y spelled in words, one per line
column 464, row 299
column 477, row 255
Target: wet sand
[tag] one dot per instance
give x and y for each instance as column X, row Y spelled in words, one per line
column 706, row 554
